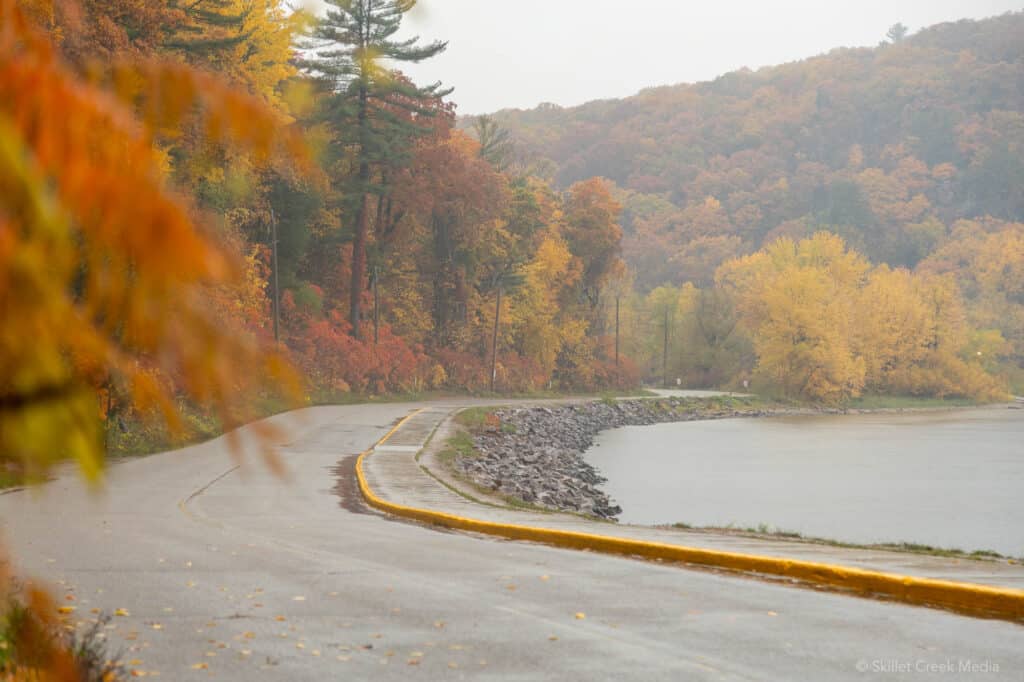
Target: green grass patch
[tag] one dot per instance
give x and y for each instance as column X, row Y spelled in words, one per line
column 458, row 446
column 939, row 551
column 10, row 479
column 474, row 418
column 713, row 404
column 137, row 435
column 630, row 393
column 764, row 530
column 879, row 402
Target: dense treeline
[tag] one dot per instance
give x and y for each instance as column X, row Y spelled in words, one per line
column 814, row 320
column 913, row 152
column 400, row 246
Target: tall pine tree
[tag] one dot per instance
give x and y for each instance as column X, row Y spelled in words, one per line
column 350, row 50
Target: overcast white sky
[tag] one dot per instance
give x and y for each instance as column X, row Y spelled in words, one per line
column 519, row 53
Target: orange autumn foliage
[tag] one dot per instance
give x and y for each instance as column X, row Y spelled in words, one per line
column 103, row 267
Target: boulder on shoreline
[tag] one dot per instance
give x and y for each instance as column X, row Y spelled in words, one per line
column 536, row 454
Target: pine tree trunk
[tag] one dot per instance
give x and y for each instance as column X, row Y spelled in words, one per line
column 359, row 260
column 362, row 218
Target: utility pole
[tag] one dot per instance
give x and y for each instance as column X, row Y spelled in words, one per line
column 664, row 354
column 617, row 299
column 376, row 307
column 276, row 284
column 494, row 342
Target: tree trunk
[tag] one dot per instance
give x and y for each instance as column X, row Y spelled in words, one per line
column 494, row 341
column 359, row 261
column 362, row 218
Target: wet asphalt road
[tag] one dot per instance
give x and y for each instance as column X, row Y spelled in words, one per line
column 228, row 573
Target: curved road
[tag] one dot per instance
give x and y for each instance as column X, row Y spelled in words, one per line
column 227, row 573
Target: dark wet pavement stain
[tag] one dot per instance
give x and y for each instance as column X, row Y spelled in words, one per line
column 346, row 487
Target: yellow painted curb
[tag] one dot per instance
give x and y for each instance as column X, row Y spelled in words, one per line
column 968, row 598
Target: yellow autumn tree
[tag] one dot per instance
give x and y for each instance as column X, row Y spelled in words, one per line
column 536, row 314
column 825, row 326
column 894, row 326
column 795, row 301
column 912, row 332
column 803, row 346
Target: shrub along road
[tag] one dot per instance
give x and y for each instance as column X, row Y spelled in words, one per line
column 229, row 573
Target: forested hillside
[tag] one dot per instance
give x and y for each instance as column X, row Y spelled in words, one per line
column 912, row 152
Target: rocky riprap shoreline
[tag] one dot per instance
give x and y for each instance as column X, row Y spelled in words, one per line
column 535, row 454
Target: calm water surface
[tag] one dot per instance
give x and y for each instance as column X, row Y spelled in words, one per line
column 947, row 479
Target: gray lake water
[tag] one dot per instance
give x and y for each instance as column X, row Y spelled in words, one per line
column 947, row 479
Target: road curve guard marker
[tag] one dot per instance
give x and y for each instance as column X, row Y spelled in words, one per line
column 967, row 598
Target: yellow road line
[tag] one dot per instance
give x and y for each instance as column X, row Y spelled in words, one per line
column 397, row 426
column 967, row 598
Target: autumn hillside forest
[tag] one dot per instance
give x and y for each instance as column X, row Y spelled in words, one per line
column 849, row 224
column 844, row 224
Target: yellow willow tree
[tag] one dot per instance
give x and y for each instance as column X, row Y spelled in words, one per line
column 893, row 326
column 102, row 266
column 803, row 347
column 796, row 302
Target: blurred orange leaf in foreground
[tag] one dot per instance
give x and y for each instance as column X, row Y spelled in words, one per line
column 102, row 266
